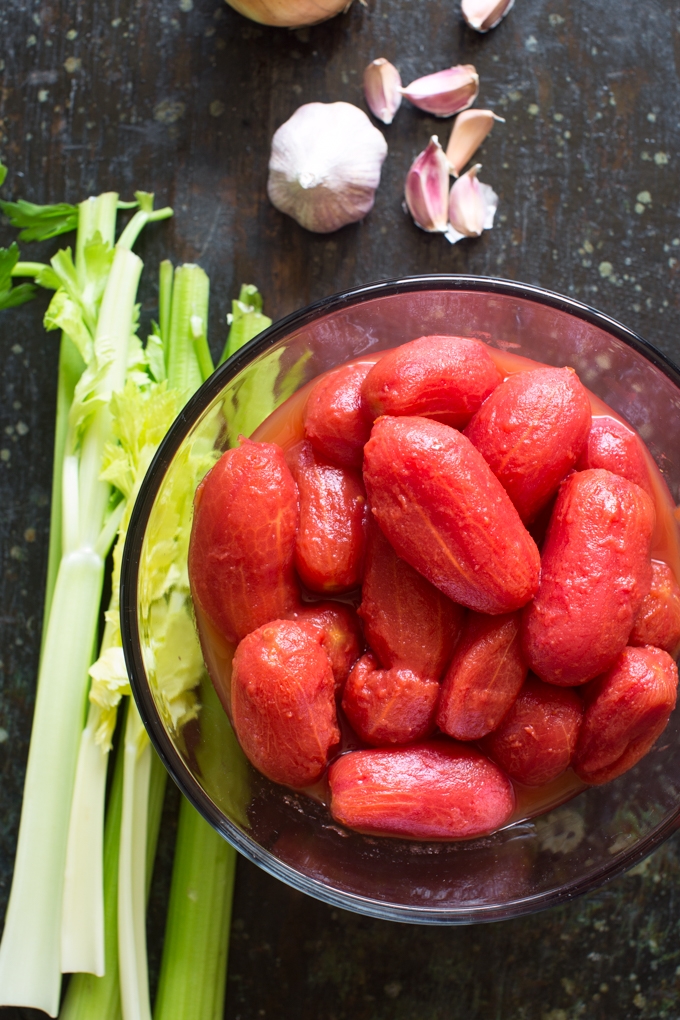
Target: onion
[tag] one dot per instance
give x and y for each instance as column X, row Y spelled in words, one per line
column 289, row 13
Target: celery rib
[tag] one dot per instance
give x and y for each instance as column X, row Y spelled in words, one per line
column 194, row 967
column 134, row 976
column 98, row 998
column 30, row 956
column 30, row 964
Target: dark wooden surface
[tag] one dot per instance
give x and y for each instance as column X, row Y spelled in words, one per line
column 182, row 97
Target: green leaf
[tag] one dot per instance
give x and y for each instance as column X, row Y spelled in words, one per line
column 40, row 222
column 47, row 278
column 85, row 286
column 3, row 173
column 63, row 313
column 8, row 260
column 17, row 295
column 11, row 297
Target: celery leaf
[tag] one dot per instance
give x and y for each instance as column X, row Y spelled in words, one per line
column 63, row 313
column 40, row 222
column 109, row 683
column 11, row 297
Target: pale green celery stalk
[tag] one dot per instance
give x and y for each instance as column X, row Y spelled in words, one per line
column 141, row 415
column 30, row 959
column 188, row 363
column 245, row 320
column 188, row 358
column 132, row 960
column 165, row 301
column 71, row 367
column 82, row 923
column 98, row 998
column 194, row 968
column 193, row 974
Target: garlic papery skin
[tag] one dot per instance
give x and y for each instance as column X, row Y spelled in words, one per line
column 472, row 206
column 382, row 85
column 289, row 13
column 426, row 189
column 483, row 15
column 325, row 166
column 444, row 92
column 470, row 128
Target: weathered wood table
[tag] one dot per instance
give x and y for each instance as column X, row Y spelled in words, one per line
column 181, row 97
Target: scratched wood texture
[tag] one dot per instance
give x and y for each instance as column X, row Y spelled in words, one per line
column 182, row 97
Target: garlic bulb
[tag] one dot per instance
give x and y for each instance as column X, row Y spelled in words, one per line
column 289, row 13
column 382, row 88
column 470, row 128
column 485, row 14
column 325, row 166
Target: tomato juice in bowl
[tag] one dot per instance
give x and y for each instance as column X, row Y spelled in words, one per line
column 528, row 864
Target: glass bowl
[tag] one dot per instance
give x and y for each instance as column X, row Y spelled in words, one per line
column 528, row 865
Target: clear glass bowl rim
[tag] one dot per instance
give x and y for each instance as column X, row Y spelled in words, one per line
column 160, row 739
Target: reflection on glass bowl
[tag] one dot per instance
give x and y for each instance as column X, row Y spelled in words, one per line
column 524, row 867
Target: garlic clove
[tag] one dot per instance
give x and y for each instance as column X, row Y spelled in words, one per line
column 325, row 166
column 485, row 14
column 445, row 92
column 382, row 84
column 426, row 188
column 472, row 205
column 470, row 128
column 289, row 13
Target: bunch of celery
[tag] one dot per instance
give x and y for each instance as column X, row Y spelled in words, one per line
column 72, row 892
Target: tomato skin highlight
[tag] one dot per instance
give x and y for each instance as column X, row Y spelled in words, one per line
column 436, row 789
column 595, row 572
column 627, row 709
column 442, row 377
column 531, row 432
column 615, row 447
column 331, row 538
column 389, row 706
column 243, row 540
column 408, row 622
column 535, row 742
column 445, row 513
column 658, row 620
column 283, row 702
column 340, row 630
column 485, row 676
column 334, row 418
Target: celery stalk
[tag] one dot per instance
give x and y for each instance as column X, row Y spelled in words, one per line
column 134, row 977
column 193, row 972
column 97, row 298
column 70, row 369
column 245, row 320
column 141, row 416
column 186, row 344
column 98, row 998
column 82, row 944
column 165, row 275
column 187, row 358
column 30, row 965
